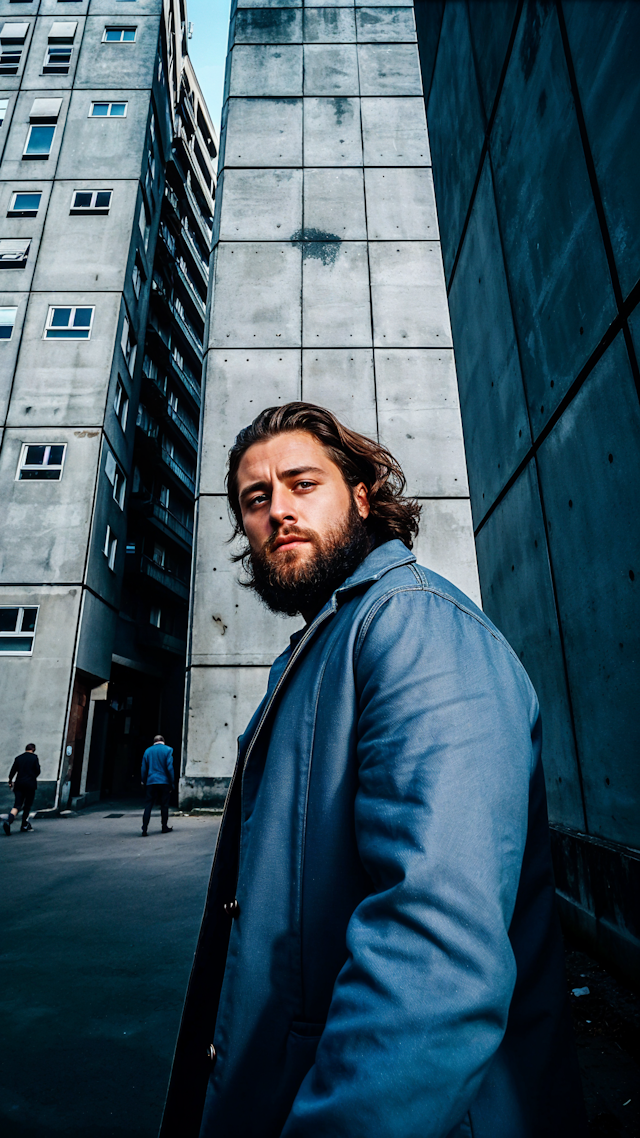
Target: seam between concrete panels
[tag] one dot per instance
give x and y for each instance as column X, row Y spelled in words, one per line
column 366, row 225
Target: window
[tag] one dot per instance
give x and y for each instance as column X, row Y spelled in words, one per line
column 9, row 60
column 155, row 616
column 41, row 462
column 25, row 204
column 119, row 35
column 128, row 344
column 177, row 358
column 121, row 404
column 12, row 37
column 91, row 201
column 143, row 225
column 69, row 324
column 4, row 106
column 117, row 479
column 108, row 110
column 110, row 548
column 14, row 252
column 159, row 554
column 7, row 320
column 57, row 59
column 17, row 630
column 136, row 278
column 164, row 497
column 39, row 141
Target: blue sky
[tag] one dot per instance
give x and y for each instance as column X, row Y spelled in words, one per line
column 208, row 48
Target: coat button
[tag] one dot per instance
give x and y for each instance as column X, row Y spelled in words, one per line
column 232, row 908
column 211, row 1053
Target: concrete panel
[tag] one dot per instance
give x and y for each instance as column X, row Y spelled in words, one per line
column 240, row 384
column 107, row 143
column 334, row 204
column 604, row 40
column 407, row 290
column 394, row 132
column 231, row 625
column 456, row 127
column 268, row 4
column 518, row 597
column 44, row 526
column 266, row 70
column 330, row 69
column 491, row 24
column 268, row 25
column 14, row 168
column 329, row 25
column 257, row 295
column 121, row 65
column 494, row 410
column 389, row 70
column 401, row 204
column 34, row 689
column 332, row 133
column 445, row 543
column 556, row 266
column 64, row 381
column 107, row 7
column 329, row 4
column 383, row 4
column 221, row 703
column 590, row 472
column 336, row 310
column 80, row 253
column 342, row 379
column 260, row 205
column 33, row 77
column 264, row 132
column 96, row 637
column 9, row 348
column 419, row 419
column 385, row 25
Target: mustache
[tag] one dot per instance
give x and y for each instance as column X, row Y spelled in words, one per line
column 288, row 531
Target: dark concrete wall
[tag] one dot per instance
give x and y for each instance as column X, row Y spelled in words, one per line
column 532, row 111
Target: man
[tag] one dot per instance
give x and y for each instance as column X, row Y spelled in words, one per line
column 157, row 776
column 25, row 768
column 379, row 954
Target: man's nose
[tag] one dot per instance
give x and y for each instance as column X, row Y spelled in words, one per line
column 283, row 509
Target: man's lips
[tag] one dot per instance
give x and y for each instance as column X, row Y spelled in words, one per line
column 289, row 540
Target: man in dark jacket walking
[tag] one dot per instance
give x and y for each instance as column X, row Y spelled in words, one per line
column 379, row 954
column 25, row 770
column 157, row 776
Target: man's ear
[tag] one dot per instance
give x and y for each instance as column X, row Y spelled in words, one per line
column 361, row 498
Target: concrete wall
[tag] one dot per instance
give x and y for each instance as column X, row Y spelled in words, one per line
column 328, row 286
column 532, row 116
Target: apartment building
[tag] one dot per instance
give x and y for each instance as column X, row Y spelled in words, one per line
column 107, row 183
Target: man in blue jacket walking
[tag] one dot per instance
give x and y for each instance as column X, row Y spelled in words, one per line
column 157, row 776
column 379, row 955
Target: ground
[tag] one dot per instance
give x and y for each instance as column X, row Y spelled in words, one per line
column 98, row 932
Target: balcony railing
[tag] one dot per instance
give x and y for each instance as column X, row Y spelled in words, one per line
column 201, row 263
column 189, row 381
column 188, row 331
column 179, row 471
column 183, row 426
column 191, row 288
column 167, row 518
column 164, row 577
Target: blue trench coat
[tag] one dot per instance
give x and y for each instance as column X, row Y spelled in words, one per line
column 393, row 966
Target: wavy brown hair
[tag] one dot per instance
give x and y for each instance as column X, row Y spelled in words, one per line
column 392, row 514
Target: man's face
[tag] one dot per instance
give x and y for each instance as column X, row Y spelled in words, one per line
column 303, row 522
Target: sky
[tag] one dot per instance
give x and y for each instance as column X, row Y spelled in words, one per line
column 208, row 49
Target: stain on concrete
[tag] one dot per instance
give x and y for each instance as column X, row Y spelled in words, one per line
column 342, row 109
column 319, row 244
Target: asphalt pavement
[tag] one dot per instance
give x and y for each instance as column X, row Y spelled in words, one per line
column 97, row 933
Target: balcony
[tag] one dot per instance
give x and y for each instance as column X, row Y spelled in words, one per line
column 193, row 202
column 188, row 332
column 191, row 289
column 167, row 519
column 152, row 637
column 179, row 471
column 188, row 381
column 195, row 252
column 183, row 426
column 182, row 141
column 164, row 577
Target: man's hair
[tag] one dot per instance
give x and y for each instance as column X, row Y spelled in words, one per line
column 392, row 515
column 158, row 738
column 30, row 747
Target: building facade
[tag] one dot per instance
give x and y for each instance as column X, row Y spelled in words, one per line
column 107, row 159
column 533, row 111
column 328, row 286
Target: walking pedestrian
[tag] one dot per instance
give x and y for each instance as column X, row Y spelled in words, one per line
column 25, row 769
column 157, row 776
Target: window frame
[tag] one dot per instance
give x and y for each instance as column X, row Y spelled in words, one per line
column 40, row 466
column 92, row 210
column 11, row 261
column 41, row 157
column 48, row 65
column 110, row 548
column 122, row 28
column 21, row 609
column 13, row 212
column 121, row 404
column 73, row 308
column 8, row 308
column 116, row 477
column 109, row 104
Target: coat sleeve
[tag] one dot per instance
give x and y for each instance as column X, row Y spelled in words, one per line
column 445, row 758
column 38, row 767
column 144, row 774
column 170, row 766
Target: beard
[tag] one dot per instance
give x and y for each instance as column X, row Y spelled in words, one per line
column 289, row 584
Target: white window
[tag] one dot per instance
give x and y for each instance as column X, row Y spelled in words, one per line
column 136, row 278
column 155, row 616
column 152, row 126
column 91, row 201
column 69, row 324
column 119, row 35
column 41, row 462
column 58, row 56
column 12, row 37
column 17, row 630
column 177, row 358
column 143, row 225
column 164, row 497
column 159, row 554
column 121, row 404
column 128, row 344
column 39, row 141
column 4, row 106
column 117, row 479
column 110, row 548
column 7, row 321
column 25, row 203
column 14, row 252
column 108, row 111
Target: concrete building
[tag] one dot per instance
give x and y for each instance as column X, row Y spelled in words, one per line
column 328, row 286
column 106, row 194
column 533, row 111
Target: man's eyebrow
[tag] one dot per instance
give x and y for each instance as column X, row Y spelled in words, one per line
column 294, row 472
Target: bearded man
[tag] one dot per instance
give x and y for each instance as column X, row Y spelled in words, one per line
column 379, row 954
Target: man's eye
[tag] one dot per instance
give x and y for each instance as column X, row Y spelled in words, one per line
column 304, row 485
column 258, row 500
